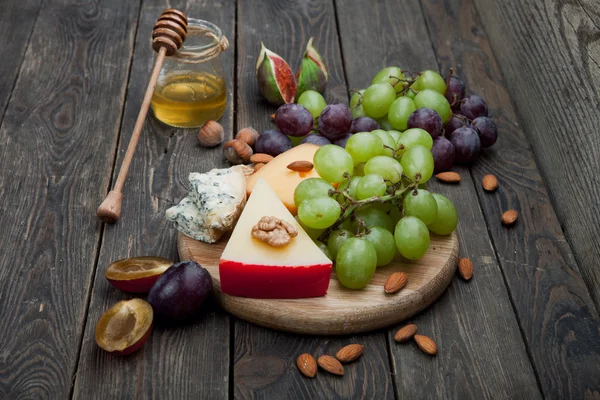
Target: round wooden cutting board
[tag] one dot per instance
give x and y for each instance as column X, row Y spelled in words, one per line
column 342, row 310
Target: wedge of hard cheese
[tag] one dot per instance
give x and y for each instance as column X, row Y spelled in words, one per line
column 252, row 268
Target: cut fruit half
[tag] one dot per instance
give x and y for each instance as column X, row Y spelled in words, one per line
column 125, row 327
column 137, row 274
column 251, row 268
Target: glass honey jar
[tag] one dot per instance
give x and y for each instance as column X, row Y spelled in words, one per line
column 191, row 87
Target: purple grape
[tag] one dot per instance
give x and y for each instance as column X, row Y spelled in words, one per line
column 316, row 139
column 454, row 123
column 342, row 141
column 427, row 119
column 473, row 107
column 466, row 145
column 486, row 128
column 180, row 292
column 294, row 120
column 455, row 90
column 335, row 121
column 364, row 124
column 443, row 154
column 273, row 143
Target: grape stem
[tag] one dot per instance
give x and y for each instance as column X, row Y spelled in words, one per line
column 353, row 205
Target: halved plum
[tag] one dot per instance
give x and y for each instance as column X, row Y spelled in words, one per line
column 136, row 274
column 125, row 327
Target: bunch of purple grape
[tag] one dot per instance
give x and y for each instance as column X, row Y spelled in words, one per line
column 466, row 133
column 297, row 125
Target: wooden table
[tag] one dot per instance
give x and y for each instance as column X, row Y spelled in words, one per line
column 72, row 76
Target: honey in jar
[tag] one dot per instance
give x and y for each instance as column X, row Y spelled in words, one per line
column 191, row 87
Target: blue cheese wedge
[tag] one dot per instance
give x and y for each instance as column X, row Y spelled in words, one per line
column 214, row 203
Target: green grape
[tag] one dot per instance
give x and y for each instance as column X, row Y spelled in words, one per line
column 331, row 162
column 323, row 247
column 395, row 214
column 349, row 184
column 431, row 99
column 421, row 204
column 412, row 237
column 362, row 147
column 311, row 188
column 312, row 233
column 355, row 263
column 399, row 112
column 319, row 213
column 336, row 240
column 418, row 160
column 384, row 244
column 373, row 217
column 313, row 101
column 384, row 123
column 296, row 140
column 377, row 99
column 423, row 186
column 347, row 224
column 387, row 167
column 395, row 135
column 429, row 79
column 414, row 137
column 359, row 169
column 370, row 185
column 385, row 207
column 447, row 218
column 393, row 72
column 387, row 140
column 356, row 104
column 411, row 94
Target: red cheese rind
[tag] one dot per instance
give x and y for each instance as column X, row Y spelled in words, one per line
column 274, row 282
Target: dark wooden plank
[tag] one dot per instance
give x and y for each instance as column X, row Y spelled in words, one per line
column 184, row 362
column 556, row 314
column 265, row 359
column 551, row 66
column 481, row 351
column 16, row 23
column 56, row 148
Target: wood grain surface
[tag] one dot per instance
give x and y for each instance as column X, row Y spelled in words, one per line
column 543, row 278
column 552, row 70
column 285, row 27
column 341, row 311
column 16, row 24
column 183, row 362
column 50, row 170
column 481, row 352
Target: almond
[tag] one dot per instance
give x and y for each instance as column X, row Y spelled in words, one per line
column 489, row 183
column 260, row 158
column 395, row 282
column 448, row 177
column 301, row 166
column 258, row 166
column 331, row 365
column 307, row 365
column 349, row 353
column 405, row 333
column 465, row 268
column 509, row 217
column 426, row 344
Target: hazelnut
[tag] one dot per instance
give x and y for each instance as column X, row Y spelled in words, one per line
column 248, row 135
column 211, row 134
column 237, row 151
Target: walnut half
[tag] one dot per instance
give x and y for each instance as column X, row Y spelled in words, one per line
column 274, row 231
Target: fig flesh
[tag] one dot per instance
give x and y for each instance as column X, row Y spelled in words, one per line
column 276, row 79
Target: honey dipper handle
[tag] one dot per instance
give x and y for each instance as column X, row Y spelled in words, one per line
column 110, row 209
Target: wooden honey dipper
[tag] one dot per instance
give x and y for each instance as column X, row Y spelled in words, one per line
column 168, row 35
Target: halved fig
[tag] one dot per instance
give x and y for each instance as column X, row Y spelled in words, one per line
column 125, row 327
column 137, row 274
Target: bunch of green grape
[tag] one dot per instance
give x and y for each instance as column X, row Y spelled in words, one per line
column 393, row 97
column 380, row 206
